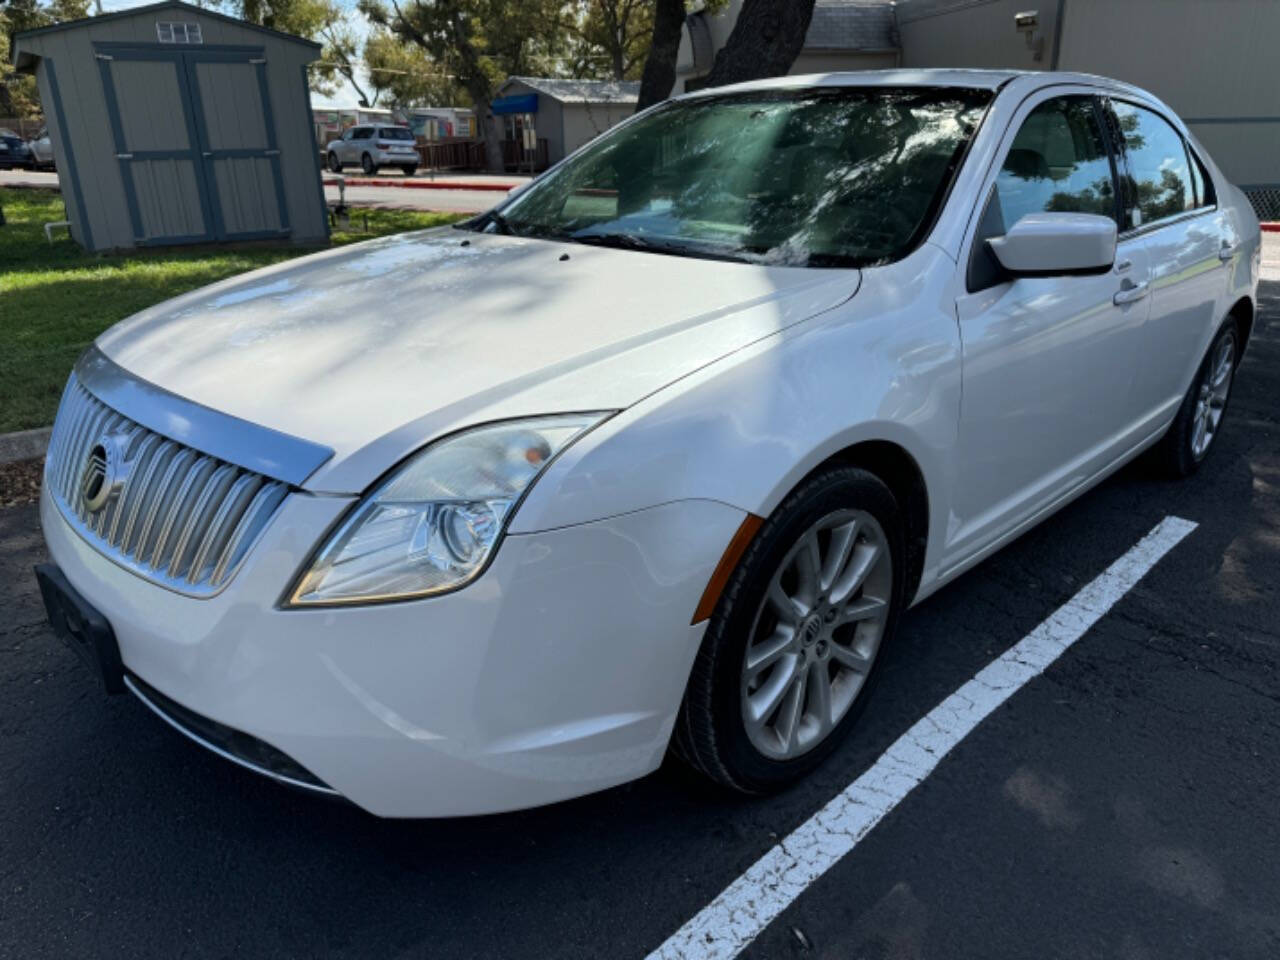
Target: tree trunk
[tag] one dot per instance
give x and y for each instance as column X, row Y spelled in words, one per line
column 660, row 66
column 765, row 41
column 490, row 135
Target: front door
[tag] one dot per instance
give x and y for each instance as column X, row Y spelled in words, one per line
column 1048, row 362
column 214, row 174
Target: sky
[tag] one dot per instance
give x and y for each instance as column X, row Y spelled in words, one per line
column 344, row 95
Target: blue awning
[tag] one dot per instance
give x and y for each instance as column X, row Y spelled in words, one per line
column 524, row 103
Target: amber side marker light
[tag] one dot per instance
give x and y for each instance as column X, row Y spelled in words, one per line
column 724, row 569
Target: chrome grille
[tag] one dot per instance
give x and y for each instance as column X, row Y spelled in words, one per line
column 167, row 512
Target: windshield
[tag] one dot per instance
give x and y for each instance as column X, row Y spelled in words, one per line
column 395, row 133
column 827, row 177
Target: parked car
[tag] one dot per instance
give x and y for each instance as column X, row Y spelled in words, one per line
column 42, row 149
column 373, row 147
column 14, row 152
column 655, row 454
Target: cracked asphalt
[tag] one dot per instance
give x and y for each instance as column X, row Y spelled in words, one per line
column 1123, row 805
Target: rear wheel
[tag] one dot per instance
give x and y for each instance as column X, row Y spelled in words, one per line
column 1199, row 419
column 335, row 165
column 409, row 169
column 367, row 165
column 791, row 652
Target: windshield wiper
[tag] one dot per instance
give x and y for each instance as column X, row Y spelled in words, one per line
column 620, row 241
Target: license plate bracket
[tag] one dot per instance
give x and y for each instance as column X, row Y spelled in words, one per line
column 81, row 627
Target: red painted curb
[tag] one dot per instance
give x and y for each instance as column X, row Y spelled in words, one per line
column 1271, row 227
column 423, row 184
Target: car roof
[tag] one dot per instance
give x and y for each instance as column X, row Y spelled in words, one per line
column 972, row 79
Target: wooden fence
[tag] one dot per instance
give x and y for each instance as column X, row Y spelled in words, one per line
column 459, row 154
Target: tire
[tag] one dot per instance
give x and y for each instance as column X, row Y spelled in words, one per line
column 712, row 732
column 1184, row 447
column 335, row 165
column 409, row 169
column 367, row 165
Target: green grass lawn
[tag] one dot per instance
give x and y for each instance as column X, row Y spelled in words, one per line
column 55, row 299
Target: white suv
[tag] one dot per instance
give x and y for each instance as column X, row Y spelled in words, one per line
column 373, row 147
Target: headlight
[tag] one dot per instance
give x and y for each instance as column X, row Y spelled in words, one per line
column 432, row 526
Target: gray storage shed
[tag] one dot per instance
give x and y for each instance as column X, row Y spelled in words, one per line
column 176, row 125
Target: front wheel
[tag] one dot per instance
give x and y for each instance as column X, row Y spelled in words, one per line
column 790, row 655
column 335, row 165
column 1199, row 419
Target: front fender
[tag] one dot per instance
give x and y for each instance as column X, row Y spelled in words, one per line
column 746, row 429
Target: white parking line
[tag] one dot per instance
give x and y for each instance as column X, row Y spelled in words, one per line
column 738, row 915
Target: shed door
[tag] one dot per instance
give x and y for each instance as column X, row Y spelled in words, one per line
column 149, row 106
column 196, row 144
column 238, row 136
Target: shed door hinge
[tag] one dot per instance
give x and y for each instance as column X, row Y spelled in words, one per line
column 257, row 59
column 271, row 153
column 103, row 56
column 124, row 156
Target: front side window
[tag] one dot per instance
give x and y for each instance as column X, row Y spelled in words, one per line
column 1058, row 162
column 1158, row 183
column 825, row 177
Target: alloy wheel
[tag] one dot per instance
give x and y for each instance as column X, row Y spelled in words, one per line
column 1211, row 402
column 816, row 634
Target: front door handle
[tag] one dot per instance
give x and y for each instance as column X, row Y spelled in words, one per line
column 1130, row 292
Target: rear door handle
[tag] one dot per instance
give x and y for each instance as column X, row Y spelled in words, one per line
column 1130, row 292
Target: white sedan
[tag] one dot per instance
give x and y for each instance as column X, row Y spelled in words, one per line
column 654, row 456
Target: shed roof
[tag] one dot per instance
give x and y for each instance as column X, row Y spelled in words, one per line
column 852, row 25
column 581, row 91
column 25, row 59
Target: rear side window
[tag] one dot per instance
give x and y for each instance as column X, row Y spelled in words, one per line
column 1158, row 182
column 394, row 133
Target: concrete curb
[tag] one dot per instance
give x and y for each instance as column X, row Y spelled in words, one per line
column 24, row 445
column 422, row 184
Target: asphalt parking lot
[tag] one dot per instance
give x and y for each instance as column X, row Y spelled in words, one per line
column 1122, row 805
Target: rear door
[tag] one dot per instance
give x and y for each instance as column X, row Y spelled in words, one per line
column 160, row 161
column 1169, row 206
column 237, row 137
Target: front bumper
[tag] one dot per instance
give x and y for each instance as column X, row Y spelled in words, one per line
column 557, row 673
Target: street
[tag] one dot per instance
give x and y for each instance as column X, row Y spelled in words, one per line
column 391, row 196
column 1121, row 805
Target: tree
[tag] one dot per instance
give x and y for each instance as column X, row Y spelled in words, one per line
column 407, row 75
column 339, row 58
column 611, row 38
column 303, row 18
column 660, row 66
column 479, row 42
column 765, row 41
column 18, row 95
column 664, row 47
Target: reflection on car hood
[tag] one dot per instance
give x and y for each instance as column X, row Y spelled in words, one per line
column 374, row 349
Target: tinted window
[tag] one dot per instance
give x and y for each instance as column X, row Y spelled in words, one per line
column 362, row 133
column 394, row 133
column 829, row 177
column 1159, row 181
column 1058, row 162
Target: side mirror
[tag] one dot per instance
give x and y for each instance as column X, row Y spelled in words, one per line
column 1053, row 244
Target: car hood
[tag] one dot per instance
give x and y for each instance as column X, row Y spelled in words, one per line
column 376, row 348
